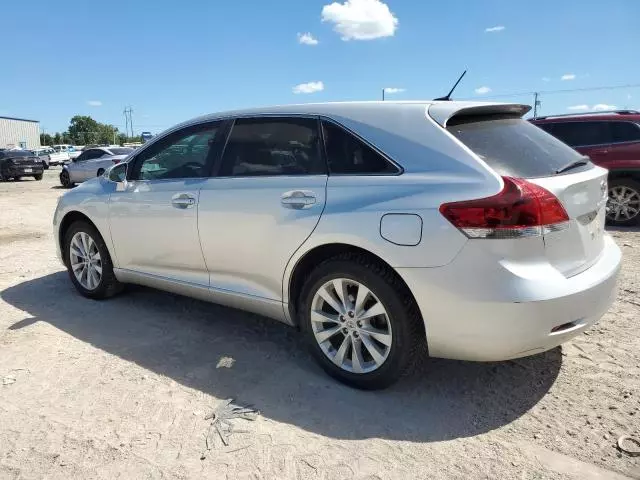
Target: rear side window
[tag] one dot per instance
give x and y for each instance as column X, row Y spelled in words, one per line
column 581, row 134
column 273, row 146
column 625, row 131
column 516, row 148
column 348, row 155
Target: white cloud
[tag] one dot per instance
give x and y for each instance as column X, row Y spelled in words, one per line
column 497, row 28
column 568, row 76
column 307, row 39
column 310, row 87
column 94, row 103
column 482, row 90
column 599, row 107
column 546, row 79
column 393, row 90
column 360, row 19
column 603, row 106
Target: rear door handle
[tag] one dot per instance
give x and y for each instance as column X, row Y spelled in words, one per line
column 183, row 200
column 298, row 199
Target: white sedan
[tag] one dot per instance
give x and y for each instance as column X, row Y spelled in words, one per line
column 92, row 163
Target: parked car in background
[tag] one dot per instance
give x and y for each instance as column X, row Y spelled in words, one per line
column 15, row 164
column 91, row 163
column 49, row 157
column 376, row 227
column 611, row 140
column 70, row 150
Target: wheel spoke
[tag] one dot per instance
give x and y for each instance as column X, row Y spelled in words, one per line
column 338, row 358
column 77, row 266
column 322, row 317
column 376, row 353
column 361, row 298
column 324, row 335
column 380, row 335
column 98, row 268
column 357, row 362
column 376, row 309
column 341, row 290
column 327, row 296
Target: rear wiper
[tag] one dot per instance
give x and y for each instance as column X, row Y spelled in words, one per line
column 572, row 165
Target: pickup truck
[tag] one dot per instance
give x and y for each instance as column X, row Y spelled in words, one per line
column 49, row 157
column 70, row 150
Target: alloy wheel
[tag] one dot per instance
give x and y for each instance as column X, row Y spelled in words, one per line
column 85, row 260
column 351, row 326
column 623, row 203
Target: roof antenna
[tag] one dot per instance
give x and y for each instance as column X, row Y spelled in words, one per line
column 448, row 97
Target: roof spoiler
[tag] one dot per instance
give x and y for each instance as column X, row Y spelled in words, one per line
column 443, row 112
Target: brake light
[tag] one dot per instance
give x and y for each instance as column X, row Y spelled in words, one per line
column 521, row 209
column 116, row 161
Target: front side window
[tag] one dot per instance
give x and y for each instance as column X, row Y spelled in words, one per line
column 579, row 134
column 625, row 131
column 183, row 154
column 348, row 155
column 273, row 146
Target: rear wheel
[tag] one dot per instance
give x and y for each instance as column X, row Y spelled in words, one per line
column 100, row 172
column 65, row 179
column 360, row 321
column 623, row 205
column 45, row 165
column 88, row 262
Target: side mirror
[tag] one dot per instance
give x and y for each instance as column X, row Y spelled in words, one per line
column 118, row 175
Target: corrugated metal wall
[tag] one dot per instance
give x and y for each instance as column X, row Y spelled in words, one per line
column 14, row 131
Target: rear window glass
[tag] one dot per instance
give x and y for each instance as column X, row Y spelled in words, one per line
column 515, row 147
column 121, row 151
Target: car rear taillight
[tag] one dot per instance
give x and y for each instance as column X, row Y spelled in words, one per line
column 116, row 161
column 521, row 209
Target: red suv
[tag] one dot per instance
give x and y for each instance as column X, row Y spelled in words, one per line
column 612, row 141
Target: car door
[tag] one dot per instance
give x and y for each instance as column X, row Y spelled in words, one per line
column 154, row 220
column 625, row 149
column 264, row 202
column 82, row 167
column 591, row 138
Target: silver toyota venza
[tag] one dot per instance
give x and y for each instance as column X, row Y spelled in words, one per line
column 377, row 228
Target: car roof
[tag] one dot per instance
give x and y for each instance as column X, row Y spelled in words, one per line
column 616, row 115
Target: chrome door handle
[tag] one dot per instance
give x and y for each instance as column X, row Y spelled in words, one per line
column 182, row 200
column 298, row 199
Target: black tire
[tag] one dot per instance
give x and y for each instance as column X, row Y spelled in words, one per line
column 38, row 177
column 629, row 184
column 100, row 172
column 45, row 165
column 407, row 328
column 109, row 284
column 65, row 179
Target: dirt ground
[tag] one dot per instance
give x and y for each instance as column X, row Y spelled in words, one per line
column 121, row 388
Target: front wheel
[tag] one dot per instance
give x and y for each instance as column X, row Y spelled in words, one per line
column 623, row 205
column 38, row 177
column 88, row 262
column 360, row 321
column 65, row 179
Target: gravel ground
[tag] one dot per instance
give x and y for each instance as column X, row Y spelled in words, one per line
column 120, row 389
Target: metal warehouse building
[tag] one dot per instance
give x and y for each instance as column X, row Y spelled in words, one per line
column 18, row 132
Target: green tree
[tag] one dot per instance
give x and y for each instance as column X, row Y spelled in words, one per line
column 82, row 128
column 46, row 139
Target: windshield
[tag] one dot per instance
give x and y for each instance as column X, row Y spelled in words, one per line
column 514, row 147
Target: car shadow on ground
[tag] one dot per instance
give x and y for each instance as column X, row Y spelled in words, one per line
column 186, row 339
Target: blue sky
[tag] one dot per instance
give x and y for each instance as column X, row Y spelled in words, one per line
column 174, row 60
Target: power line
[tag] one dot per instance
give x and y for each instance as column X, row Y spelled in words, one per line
column 553, row 92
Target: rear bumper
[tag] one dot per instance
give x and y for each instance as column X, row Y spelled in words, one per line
column 22, row 170
column 507, row 311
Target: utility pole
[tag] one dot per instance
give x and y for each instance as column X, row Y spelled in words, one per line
column 383, row 94
column 536, row 104
column 128, row 119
